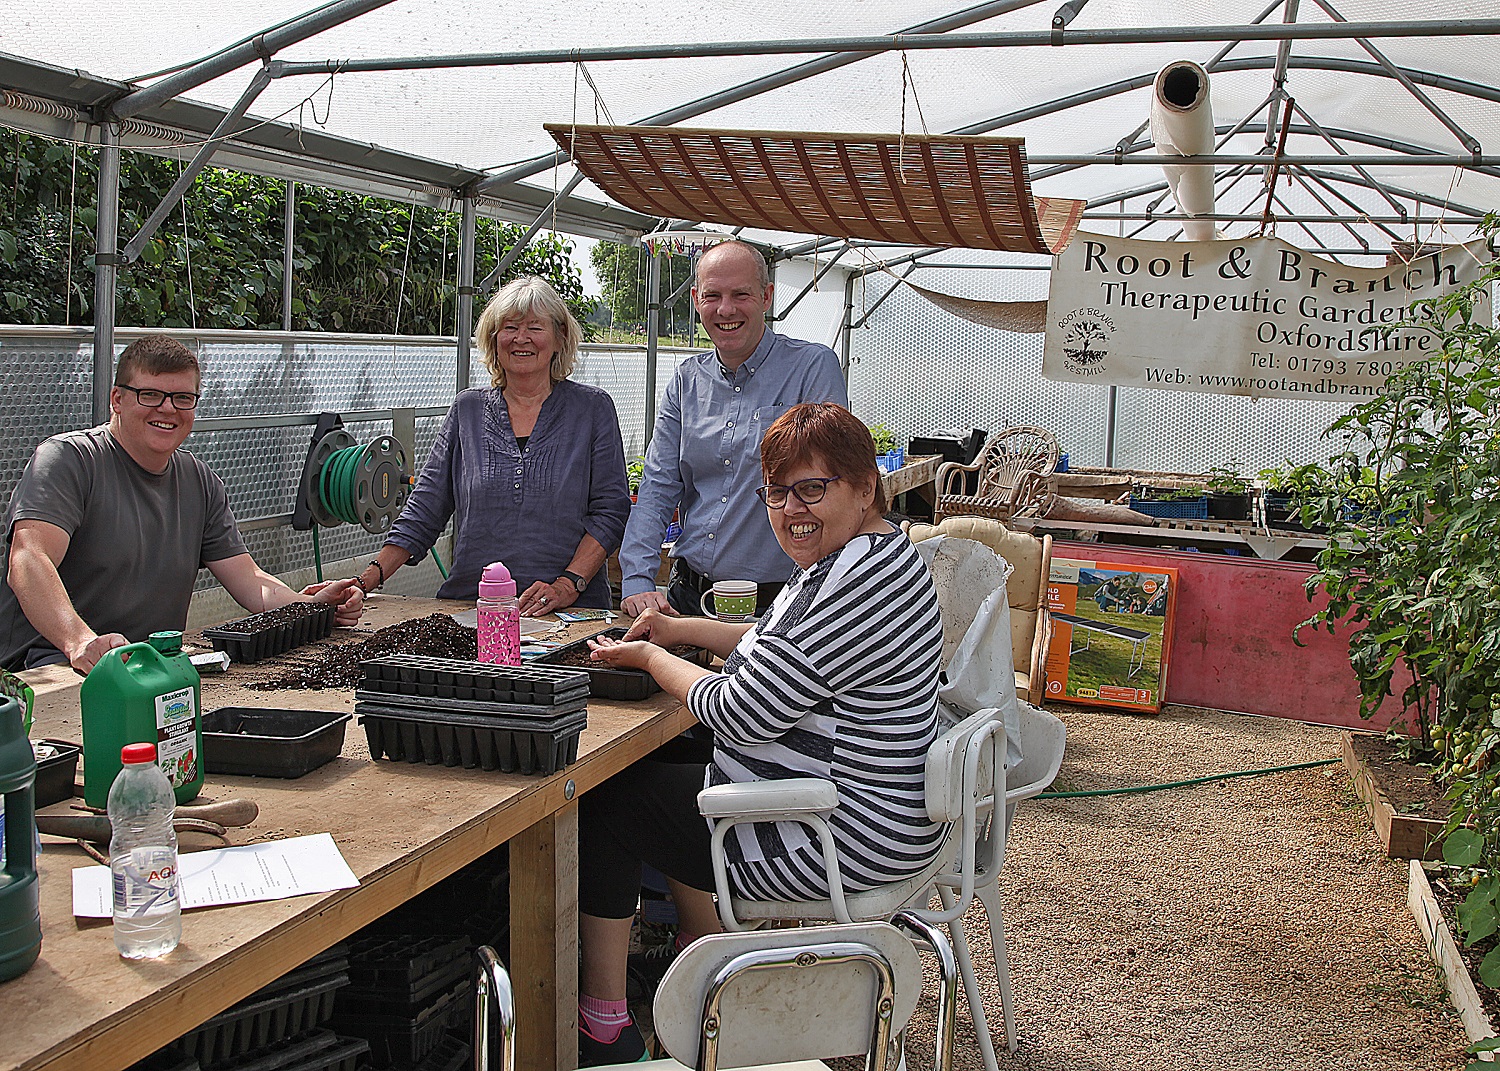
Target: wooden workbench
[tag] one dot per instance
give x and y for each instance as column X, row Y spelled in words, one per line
column 401, row 827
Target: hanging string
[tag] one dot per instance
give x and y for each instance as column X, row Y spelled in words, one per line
column 72, row 202
column 187, row 252
column 443, row 267
column 411, row 226
column 907, row 81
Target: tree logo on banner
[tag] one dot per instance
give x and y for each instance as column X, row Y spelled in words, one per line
column 1085, row 334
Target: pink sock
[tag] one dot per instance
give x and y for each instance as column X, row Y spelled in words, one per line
column 684, row 939
column 602, row 1020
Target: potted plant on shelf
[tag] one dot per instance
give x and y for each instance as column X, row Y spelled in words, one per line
column 635, row 469
column 1228, row 493
column 887, row 455
column 1291, row 496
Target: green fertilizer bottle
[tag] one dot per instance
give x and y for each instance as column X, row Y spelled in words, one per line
column 137, row 694
column 20, row 919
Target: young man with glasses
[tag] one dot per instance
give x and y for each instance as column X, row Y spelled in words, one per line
column 108, row 527
column 704, row 458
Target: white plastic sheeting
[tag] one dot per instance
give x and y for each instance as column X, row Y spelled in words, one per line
column 491, row 117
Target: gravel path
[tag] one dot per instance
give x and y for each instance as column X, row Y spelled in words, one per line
column 1251, row 923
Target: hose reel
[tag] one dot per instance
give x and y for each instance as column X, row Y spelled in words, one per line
column 346, row 482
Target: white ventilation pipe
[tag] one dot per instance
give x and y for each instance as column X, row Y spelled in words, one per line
column 1182, row 124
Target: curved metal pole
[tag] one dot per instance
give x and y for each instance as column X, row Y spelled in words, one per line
column 494, row 1010
column 262, row 47
column 769, row 82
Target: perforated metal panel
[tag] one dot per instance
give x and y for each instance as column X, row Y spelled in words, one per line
column 47, row 375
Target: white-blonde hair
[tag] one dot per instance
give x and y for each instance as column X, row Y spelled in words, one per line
column 516, row 300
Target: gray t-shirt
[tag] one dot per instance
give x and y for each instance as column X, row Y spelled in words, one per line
column 137, row 539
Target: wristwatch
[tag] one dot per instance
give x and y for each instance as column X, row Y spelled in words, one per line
column 578, row 582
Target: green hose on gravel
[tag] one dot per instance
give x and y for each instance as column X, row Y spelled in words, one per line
column 1184, row 784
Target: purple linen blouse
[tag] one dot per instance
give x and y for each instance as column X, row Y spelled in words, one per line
column 527, row 508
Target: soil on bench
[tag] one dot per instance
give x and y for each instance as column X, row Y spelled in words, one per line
column 277, row 618
column 583, row 657
column 336, row 665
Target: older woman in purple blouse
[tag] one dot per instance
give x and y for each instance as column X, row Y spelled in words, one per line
column 532, row 469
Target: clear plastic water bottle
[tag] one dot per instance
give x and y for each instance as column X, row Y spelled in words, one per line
column 143, row 857
column 499, row 617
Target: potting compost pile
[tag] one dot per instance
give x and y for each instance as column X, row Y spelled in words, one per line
column 336, row 665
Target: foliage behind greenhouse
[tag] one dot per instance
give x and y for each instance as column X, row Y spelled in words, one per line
column 360, row 264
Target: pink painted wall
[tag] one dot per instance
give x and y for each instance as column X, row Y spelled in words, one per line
column 1232, row 643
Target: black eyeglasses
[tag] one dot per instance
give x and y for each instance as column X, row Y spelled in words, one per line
column 809, row 491
column 153, row 399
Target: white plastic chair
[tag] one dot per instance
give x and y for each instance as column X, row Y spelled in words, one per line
column 758, row 1000
column 965, row 776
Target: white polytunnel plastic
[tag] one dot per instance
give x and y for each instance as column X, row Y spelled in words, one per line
column 1421, row 84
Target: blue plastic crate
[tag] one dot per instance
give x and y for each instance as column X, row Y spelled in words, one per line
column 1185, row 509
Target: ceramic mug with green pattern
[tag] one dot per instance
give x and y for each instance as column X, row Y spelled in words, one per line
column 734, row 600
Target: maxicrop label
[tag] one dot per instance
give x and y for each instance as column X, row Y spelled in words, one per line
column 176, row 736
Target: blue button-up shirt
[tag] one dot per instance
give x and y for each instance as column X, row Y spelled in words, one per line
column 704, row 459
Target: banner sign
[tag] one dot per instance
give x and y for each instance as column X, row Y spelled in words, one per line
column 1255, row 316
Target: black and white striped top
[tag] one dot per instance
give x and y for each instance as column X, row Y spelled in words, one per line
column 837, row 680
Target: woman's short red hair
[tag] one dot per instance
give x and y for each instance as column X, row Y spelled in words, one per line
column 824, row 433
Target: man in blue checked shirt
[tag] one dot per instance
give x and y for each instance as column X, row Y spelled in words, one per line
column 704, row 458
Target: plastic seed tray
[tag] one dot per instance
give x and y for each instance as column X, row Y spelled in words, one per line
column 265, row 742
column 55, row 774
column 322, row 1050
column 511, row 745
column 299, row 1000
column 259, row 636
column 396, row 973
column 612, row 682
column 451, row 1054
column 445, row 678
column 402, row 1040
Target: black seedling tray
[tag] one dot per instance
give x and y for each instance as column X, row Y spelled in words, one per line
column 526, row 715
column 447, row 678
column 322, row 1050
column 612, row 682
column 398, row 972
column 400, row 1039
column 253, row 638
column 265, row 742
column 54, row 776
column 451, row 1054
column 490, row 743
column 264, row 1019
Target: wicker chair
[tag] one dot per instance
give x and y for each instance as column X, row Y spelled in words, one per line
column 1014, row 478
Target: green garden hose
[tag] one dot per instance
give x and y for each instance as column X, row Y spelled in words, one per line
column 1184, row 784
column 338, row 481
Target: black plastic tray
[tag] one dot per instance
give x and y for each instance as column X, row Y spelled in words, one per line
column 321, row 1050
column 265, row 742
column 54, row 776
column 470, row 740
column 404, row 1040
column 521, row 713
column 299, row 1000
column 612, row 682
column 249, row 640
column 448, row 678
column 450, row 1054
column 395, row 972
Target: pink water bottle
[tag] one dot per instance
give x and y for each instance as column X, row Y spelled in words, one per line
column 499, row 617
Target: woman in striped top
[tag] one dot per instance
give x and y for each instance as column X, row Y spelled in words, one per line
column 838, row 680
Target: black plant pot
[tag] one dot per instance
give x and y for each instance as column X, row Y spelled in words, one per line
column 1229, row 505
column 1282, row 511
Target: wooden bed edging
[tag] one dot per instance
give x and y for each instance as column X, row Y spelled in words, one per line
column 1405, row 836
column 1444, row 951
